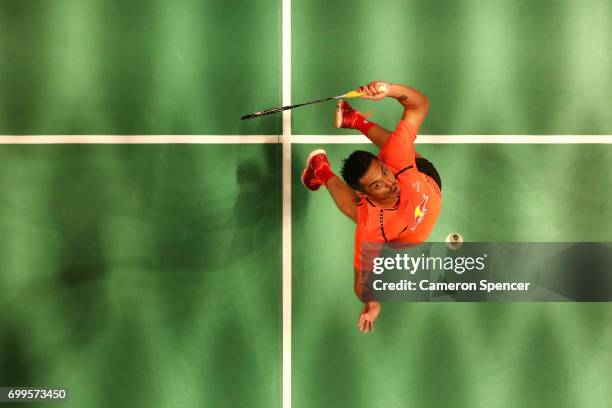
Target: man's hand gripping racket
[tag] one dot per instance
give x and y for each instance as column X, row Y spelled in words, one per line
column 374, row 90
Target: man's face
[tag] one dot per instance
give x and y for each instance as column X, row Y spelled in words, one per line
column 379, row 183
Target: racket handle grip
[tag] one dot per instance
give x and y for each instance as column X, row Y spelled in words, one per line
column 356, row 94
column 352, row 94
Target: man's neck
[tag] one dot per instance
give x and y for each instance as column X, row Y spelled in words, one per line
column 387, row 204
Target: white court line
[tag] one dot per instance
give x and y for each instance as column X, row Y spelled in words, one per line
column 139, row 139
column 287, row 138
column 463, row 139
column 286, row 257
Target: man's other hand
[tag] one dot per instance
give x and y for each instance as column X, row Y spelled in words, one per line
column 368, row 314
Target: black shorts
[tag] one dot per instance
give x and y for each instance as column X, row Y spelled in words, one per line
column 426, row 167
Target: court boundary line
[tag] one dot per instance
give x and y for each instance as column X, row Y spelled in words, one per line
column 286, row 271
column 288, row 139
column 463, row 139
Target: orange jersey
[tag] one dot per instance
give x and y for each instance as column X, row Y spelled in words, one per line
column 420, row 199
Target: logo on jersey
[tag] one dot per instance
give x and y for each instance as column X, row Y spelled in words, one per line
column 419, row 212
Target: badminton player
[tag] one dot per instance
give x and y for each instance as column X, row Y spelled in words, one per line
column 394, row 196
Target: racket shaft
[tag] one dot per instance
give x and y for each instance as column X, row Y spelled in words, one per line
column 352, row 94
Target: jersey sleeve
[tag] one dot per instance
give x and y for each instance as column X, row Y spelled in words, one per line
column 398, row 152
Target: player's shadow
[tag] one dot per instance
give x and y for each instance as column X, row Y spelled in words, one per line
column 252, row 261
column 257, row 213
column 257, row 210
column 255, row 247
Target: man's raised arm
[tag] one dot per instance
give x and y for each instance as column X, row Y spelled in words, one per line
column 414, row 102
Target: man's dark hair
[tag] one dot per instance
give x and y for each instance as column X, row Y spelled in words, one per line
column 355, row 166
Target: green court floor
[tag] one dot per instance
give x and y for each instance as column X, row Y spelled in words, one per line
column 494, row 67
column 151, row 275
column 142, row 275
column 138, row 67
